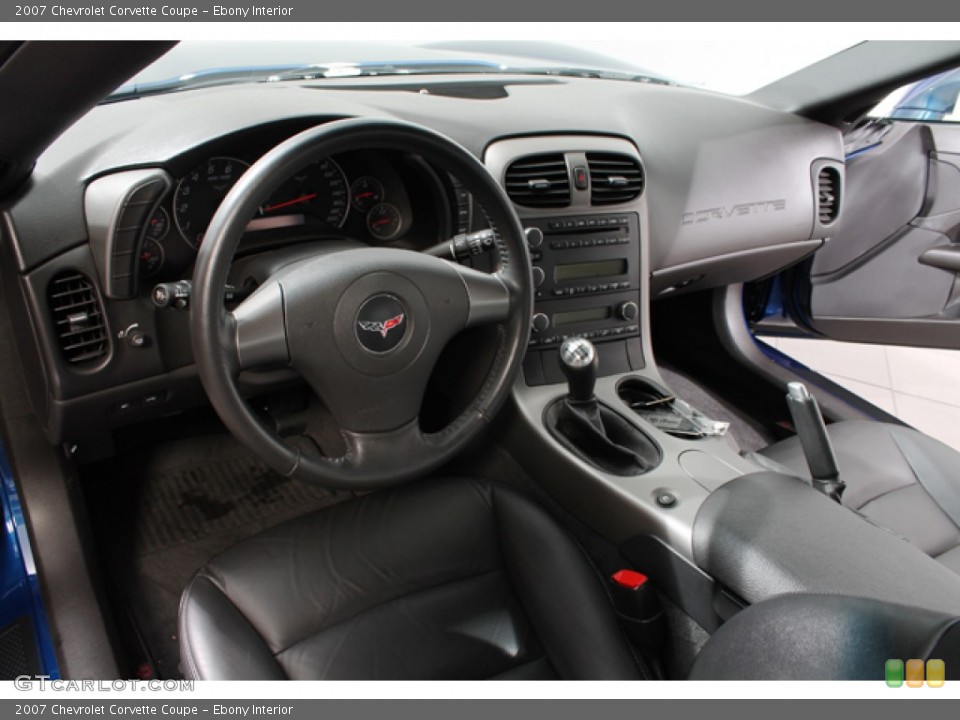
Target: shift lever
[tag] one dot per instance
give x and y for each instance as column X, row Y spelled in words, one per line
column 578, row 360
column 814, row 440
column 589, row 428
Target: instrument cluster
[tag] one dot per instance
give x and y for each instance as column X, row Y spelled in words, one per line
column 362, row 195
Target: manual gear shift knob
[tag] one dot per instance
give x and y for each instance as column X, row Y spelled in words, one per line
column 578, row 360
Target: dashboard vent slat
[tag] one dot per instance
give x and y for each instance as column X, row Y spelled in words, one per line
column 828, row 195
column 539, row 181
column 78, row 318
column 614, row 178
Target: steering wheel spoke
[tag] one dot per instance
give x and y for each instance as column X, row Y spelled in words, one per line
column 260, row 330
column 489, row 299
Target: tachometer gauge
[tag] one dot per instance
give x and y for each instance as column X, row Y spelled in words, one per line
column 200, row 193
column 384, row 221
column 319, row 190
column 151, row 258
column 366, row 192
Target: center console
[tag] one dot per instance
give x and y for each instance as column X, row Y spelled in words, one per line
column 647, row 471
column 591, row 274
column 590, row 268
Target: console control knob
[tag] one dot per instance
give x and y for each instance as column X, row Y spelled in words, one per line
column 538, row 276
column 136, row 338
column 540, row 322
column 628, row 311
column 534, row 236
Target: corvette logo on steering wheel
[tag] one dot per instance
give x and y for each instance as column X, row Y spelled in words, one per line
column 381, row 327
column 381, row 323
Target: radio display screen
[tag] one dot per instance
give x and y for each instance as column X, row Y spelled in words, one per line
column 572, row 317
column 587, row 270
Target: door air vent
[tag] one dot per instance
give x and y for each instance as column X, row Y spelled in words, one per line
column 614, row 178
column 539, row 181
column 828, row 195
column 77, row 318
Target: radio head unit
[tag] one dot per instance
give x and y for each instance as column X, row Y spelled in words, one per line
column 586, row 272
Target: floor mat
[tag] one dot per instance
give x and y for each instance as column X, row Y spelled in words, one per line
column 160, row 515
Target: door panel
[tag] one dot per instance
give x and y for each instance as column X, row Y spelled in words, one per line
column 889, row 273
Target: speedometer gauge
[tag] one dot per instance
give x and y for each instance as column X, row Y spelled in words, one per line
column 200, row 193
column 319, row 190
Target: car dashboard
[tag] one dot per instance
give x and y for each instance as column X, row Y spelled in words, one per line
column 639, row 190
column 627, row 193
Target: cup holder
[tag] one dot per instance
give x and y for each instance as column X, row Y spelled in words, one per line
column 666, row 412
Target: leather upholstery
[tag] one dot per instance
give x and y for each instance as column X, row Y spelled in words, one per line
column 768, row 534
column 448, row 579
column 898, row 478
column 825, row 637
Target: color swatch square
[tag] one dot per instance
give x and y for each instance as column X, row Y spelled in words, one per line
column 914, row 673
column 936, row 673
column 893, row 672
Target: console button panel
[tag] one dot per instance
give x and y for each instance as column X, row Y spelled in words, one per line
column 587, row 272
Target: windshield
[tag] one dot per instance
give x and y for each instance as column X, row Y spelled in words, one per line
column 623, row 51
column 194, row 64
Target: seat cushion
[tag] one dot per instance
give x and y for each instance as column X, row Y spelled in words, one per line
column 897, row 477
column 445, row 579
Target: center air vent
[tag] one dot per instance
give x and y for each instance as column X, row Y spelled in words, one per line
column 828, row 195
column 78, row 318
column 539, row 181
column 614, row 178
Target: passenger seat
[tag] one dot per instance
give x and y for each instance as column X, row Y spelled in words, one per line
column 896, row 477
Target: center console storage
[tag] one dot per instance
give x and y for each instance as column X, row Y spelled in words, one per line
column 665, row 411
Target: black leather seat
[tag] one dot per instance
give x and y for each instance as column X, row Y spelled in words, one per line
column 898, row 478
column 445, row 579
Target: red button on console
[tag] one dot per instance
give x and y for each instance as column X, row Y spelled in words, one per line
column 629, row 579
column 580, row 178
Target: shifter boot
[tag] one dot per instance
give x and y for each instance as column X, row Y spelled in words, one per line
column 601, row 437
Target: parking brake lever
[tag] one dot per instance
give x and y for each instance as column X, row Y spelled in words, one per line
column 814, row 440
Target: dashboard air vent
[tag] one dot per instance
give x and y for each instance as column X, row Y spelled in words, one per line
column 614, row 178
column 828, row 195
column 539, row 181
column 78, row 318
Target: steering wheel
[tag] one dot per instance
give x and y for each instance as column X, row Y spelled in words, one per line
column 363, row 327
